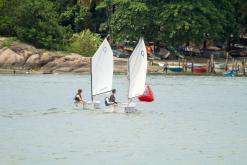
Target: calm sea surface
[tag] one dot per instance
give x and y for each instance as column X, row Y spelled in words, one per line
column 194, row 120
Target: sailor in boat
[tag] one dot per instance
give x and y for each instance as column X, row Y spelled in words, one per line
column 78, row 98
column 111, row 100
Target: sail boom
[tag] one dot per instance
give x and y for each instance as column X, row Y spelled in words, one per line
column 102, row 93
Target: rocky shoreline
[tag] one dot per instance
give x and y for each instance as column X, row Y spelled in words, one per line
column 23, row 58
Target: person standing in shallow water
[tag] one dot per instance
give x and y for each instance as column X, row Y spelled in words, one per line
column 78, row 98
column 165, row 67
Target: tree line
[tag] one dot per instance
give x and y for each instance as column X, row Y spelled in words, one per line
column 61, row 24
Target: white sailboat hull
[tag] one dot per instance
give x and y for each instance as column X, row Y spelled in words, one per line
column 130, row 108
column 121, row 108
column 91, row 105
column 117, row 108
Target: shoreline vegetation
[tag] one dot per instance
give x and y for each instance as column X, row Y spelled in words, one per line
column 21, row 58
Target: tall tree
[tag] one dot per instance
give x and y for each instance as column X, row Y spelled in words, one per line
column 125, row 18
column 38, row 24
column 76, row 16
column 8, row 16
column 194, row 21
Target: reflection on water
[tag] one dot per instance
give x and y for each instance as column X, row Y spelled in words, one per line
column 193, row 120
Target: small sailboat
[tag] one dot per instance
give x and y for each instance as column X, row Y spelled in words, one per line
column 137, row 70
column 101, row 73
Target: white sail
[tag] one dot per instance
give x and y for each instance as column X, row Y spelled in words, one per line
column 102, row 69
column 137, row 70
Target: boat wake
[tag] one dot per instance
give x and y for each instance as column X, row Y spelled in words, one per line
column 28, row 113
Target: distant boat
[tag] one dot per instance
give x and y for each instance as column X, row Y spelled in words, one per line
column 189, row 65
column 175, row 68
column 172, row 68
column 200, row 70
column 230, row 73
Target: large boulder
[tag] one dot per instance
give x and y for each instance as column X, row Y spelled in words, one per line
column 19, row 47
column 39, row 60
column 23, row 51
column 3, row 49
column 9, row 58
column 33, row 61
column 46, row 58
column 26, row 54
column 72, row 61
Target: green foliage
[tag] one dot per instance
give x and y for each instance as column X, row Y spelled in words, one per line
column 50, row 23
column 7, row 17
column 38, row 25
column 229, row 14
column 84, row 43
column 241, row 7
column 63, row 4
column 174, row 22
column 7, row 26
column 129, row 20
column 180, row 23
column 7, row 42
column 76, row 16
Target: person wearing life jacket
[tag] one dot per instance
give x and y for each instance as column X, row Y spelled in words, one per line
column 78, row 98
column 112, row 99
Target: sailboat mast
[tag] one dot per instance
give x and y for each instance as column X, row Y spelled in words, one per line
column 91, row 71
column 128, row 77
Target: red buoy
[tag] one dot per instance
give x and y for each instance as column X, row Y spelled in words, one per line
column 147, row 95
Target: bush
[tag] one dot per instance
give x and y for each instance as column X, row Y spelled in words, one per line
column 78, row 17
column 8, row 16
column 38, row 25
column 6, row 26
column 7, row 42
column 85, row 43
